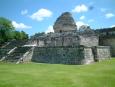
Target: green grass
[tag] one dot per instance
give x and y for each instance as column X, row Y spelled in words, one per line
column 100, row 74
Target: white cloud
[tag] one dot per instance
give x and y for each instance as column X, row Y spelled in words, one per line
column 80, row 8
column 80, row 23
column 112, row 26
column 20, row 25
column 24, row 12
column 109, row 15
column 82, row 17
column 41, row 14
column 50, row 29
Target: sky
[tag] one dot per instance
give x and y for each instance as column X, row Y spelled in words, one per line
column 33, row 16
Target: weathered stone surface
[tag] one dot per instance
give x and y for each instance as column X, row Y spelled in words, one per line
column 101, row 53
column 70, row 55
column 67, row 39
column 17, row 54
column 107, row 38
column 65, row 23
column 109, row 42
column 88, row 55
column 5, row 50
column 89, row 40
column 63, row 55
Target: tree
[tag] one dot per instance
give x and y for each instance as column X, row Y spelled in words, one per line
column 17, row 35
column 20, row 35
column 8, row 32
column 6, row 29
column 23, row 35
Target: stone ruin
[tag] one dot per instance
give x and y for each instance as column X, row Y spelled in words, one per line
column 64, row 23
column 66, row 45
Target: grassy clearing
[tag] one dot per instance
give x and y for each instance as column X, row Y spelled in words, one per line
column 100, row 74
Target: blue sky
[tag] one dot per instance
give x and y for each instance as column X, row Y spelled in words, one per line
column 34, row 16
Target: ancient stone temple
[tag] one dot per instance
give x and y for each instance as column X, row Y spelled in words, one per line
column 66, row 45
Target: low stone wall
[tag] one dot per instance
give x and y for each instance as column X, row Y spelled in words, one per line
column 101, row 53
column 63, row 55
column 88, row 55
column 109, row 42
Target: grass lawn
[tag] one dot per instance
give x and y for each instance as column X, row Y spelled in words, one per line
column 100, row 74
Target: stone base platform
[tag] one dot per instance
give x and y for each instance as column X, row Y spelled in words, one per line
column 70, row 55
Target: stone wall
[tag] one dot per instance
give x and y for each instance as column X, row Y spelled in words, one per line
column 109, row 42
column 89, row 40
column 65, row 39
column 88, row 55
column 63, row 55
column 61, row 41
column 27, row 56
column 101, row 53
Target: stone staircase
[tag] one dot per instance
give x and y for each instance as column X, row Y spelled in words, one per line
column 15, row 56
column 9, row 47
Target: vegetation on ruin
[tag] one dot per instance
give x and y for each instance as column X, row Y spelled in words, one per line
column 100, row 74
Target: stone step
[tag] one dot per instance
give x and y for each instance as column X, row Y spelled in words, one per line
column 17, row 54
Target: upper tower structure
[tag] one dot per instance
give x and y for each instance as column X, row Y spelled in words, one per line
column 64, row 23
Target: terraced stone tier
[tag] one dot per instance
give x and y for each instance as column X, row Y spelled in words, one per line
column 10, row 45
column 17, row 54
column 62, row 55
column 3, row 52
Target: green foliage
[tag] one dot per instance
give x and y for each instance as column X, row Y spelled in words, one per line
column 20, row 35
column 6, row 24
column 6, row 28
column 17, row 35
column 23, row 35
column 101, row 74
column 7, row 31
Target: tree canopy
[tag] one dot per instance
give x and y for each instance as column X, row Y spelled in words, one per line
column 6, row 28
column 8, row 32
